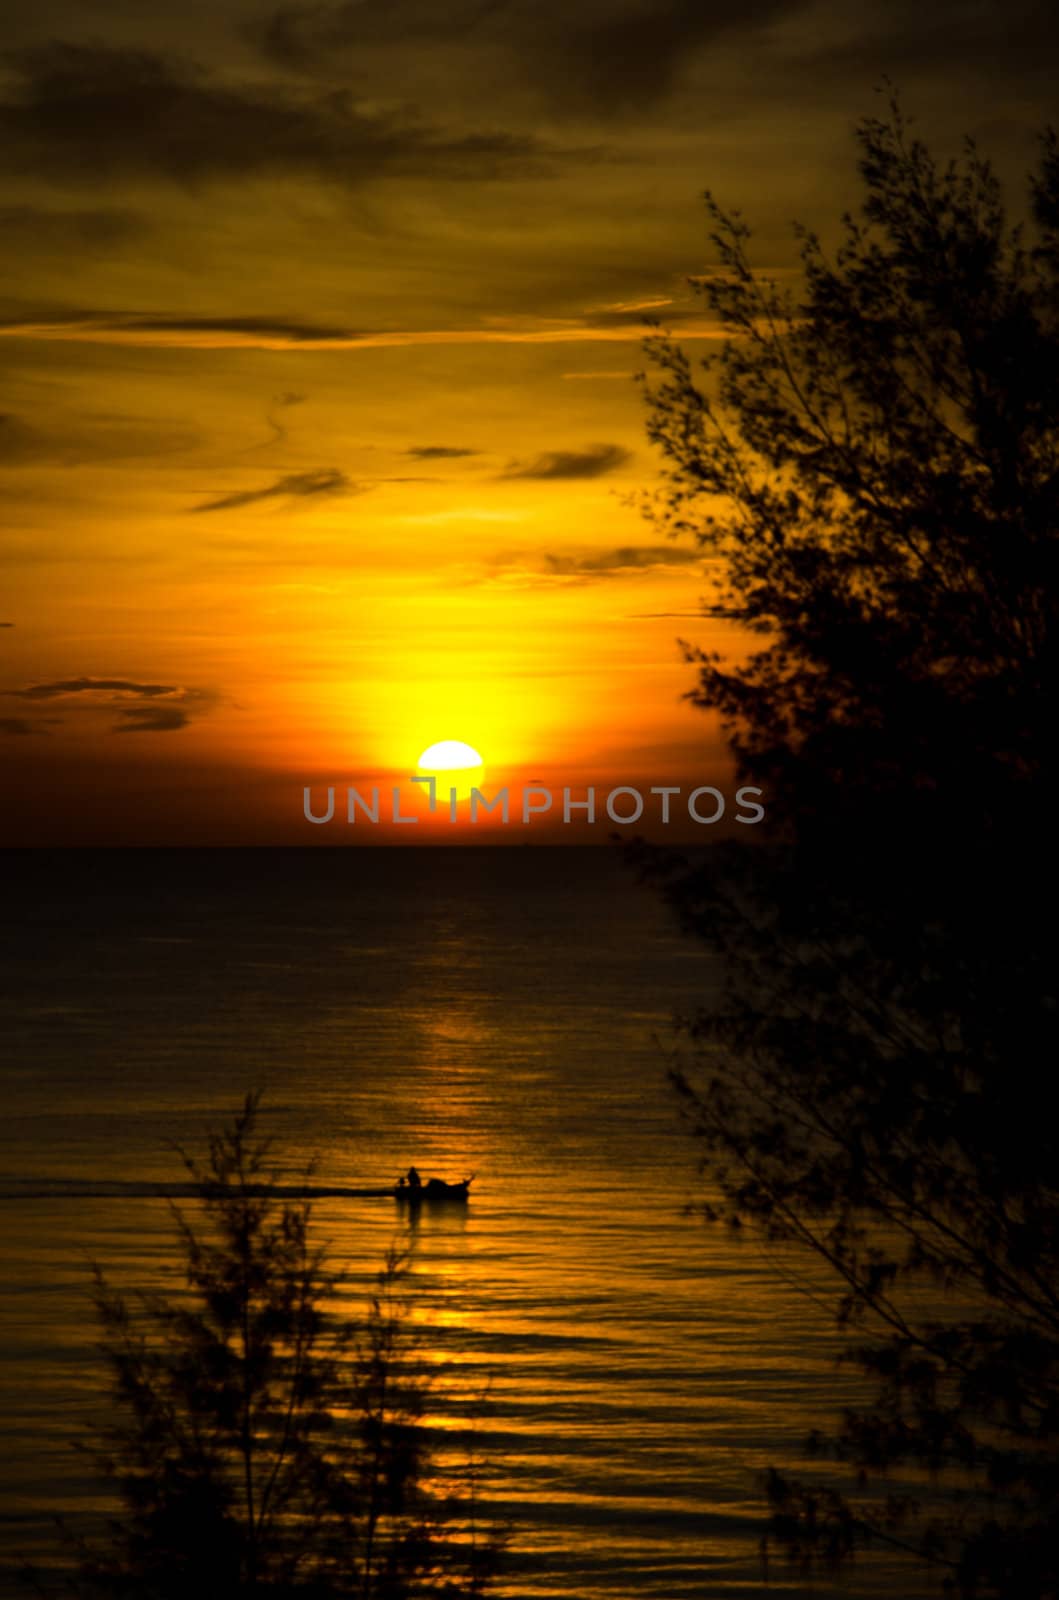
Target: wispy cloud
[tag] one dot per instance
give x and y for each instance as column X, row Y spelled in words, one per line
column 281, row 403
column 295, row 486
column 287, row 329
column 63, row 687
column 19, row 727
column 139, row 707
column 292, row 333
column 527, row 569
column 606, row 375
column 629, row 307
column 88, row 114
column 92, row 436
column 163, row 719
column 626, row 559
column 591, row 462
column 97, row 230
column 439, row 452
column 600, row 58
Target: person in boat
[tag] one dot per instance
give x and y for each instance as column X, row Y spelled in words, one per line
column 414, row 1180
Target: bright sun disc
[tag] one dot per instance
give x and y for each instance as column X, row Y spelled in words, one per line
column 457, row 767
column 449, row 755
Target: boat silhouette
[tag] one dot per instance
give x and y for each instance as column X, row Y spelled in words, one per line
column 434, row 1191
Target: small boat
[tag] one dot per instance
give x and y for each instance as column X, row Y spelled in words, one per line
column 435, row 1189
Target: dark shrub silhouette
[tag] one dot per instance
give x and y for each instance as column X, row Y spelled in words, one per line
column 261, row 1445
column 872, row 462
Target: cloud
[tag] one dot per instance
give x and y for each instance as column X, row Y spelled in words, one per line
column 18, row 441
column 527, row 569
column 19, row 727
column 91, row 114
column 281, row 402
column 149, row 720
column 308, row 37
column 626, row 559
column 63, row 687
column 640, row 307
column 591, row 462
column 906, row 40
column 289, row 331
column 139, row 707
column 292, row 333
column 36, row 228
column 438, row 452
column 608, row 59
column 295, row 486
column 102, row 436
column 600, row 58
column 7, row 624
column 643, row 317
column 207, row 333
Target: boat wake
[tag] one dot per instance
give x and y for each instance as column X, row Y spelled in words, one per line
column 48, row 1188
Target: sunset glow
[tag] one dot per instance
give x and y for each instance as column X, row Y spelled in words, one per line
column 337, row 442
column 527, row 676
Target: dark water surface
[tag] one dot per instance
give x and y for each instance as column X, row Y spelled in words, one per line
column 486, row 1011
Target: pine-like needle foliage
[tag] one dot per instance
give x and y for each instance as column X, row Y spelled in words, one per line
column 871, row 462
column 261, row 1444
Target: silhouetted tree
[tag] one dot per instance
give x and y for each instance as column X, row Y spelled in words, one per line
column 262, row 1445
column 871, row 462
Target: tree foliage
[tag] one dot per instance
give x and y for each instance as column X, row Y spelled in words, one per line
column 260, row 1444
column 871, row 464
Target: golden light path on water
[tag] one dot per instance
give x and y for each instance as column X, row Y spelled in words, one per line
column 628, row 1372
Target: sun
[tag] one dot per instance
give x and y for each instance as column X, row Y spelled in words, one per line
column 449, row 755
column 455, row 765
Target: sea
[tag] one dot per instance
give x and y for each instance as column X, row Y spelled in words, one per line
column 627, row 1369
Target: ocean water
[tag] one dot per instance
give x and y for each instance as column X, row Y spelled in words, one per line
column 498, row 1012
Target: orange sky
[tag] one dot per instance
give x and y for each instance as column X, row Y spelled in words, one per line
column 318, row 428
column 293, row 595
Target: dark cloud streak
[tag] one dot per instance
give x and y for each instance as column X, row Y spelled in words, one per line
column 139, row 707
column 111, row 686
column 273, row 327
column 439, row 452
column 627, row 558
column 598, row 58
column 95, row 437
column 29, row 227
column 607, row 60
column 92, row 114
column 309, row 37
column 164, row 719
column 591, row 462
column 295, row 486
